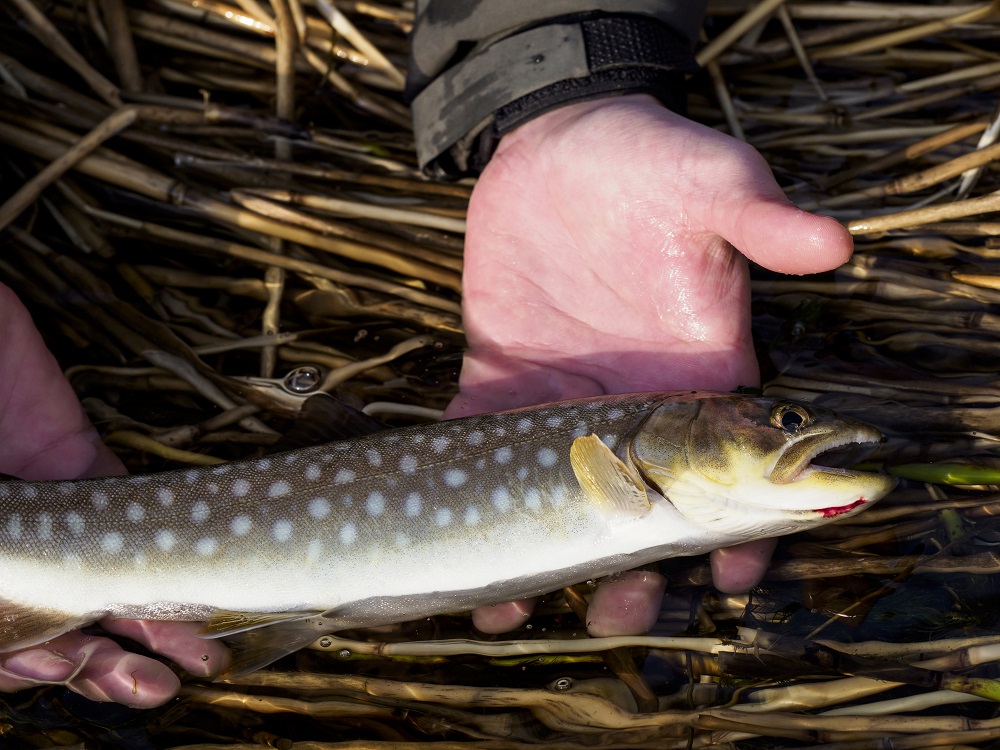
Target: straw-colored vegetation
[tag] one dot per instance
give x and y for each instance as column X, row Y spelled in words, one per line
column 213, row 210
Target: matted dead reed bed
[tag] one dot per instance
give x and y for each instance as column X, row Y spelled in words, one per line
column 212, row 209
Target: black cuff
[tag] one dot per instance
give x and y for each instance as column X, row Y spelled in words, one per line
column 624, row 54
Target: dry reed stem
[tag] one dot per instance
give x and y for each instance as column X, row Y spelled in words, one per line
column 357, row 209
column 121, row 47
column 46, row 33
column 916, row 217
column 754, row 15
column 904, row 36
column 29, row 192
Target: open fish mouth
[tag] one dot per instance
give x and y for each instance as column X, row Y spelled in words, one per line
column 820, row 453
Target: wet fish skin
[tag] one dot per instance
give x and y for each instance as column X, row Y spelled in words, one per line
column 418, row 521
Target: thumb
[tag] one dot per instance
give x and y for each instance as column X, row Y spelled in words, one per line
column 783, row 238
column 749, row 210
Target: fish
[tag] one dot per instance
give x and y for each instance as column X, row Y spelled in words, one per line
column 271, row 553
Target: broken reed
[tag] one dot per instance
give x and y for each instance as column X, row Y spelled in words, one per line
column 209, row 183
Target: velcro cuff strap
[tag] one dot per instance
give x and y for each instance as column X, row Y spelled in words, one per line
column 461, row 115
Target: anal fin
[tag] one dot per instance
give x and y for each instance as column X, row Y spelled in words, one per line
column 22, row 626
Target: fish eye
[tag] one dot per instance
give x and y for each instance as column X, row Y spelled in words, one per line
column 790, row 417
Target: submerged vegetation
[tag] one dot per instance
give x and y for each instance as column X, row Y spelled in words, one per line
column 213, row 211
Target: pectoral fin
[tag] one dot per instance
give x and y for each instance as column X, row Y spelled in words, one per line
column 21, row 626
column 608, row 480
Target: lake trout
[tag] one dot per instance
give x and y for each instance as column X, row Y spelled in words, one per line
column 407, row 523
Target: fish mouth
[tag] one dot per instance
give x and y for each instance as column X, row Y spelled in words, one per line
column 817, row 453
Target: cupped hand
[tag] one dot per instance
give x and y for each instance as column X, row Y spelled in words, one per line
column 44, row 434
column 600, row 259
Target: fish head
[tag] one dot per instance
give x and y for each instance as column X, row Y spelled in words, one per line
column 752, row 466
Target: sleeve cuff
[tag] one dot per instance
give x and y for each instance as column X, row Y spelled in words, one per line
column 461, row 115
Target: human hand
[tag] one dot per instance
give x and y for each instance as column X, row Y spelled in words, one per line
column 44, row 434
column 598, row 260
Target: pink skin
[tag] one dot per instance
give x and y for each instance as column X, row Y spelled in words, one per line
column 598, row 260
column 44, row 434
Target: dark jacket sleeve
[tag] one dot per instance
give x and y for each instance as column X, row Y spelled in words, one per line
column 480, row 68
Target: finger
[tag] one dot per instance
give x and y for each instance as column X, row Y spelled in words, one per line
column 502, row 618
column 737, row 569
column 178, row 641
column 97, row 668
column 627, row 604
column 779, row 236
column 108, row 673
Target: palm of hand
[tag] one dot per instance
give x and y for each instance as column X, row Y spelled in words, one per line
column 598, row 261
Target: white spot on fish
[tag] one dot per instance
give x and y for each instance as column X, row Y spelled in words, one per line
column 74, row 522
column 553, row 421
column 313, row 551
column 455, row 477
column 29, row 492
column 375, row 505
column 165, row 496
column 581, row 429
column 547, row 457
column 65, row 487
column 407, row 463
column 279, row 488
column 503, row 455
column 558, row 496
column 500, row 497
column 412, row 505
column 472, row 515
column 440, row 444
column 344, row 476
column 165, row 539
column 206, row 546
column 135, row 512
column 200, row 512
column 44, row 530
column 221, row 469
column 319, row 507
column 191, row 476
column 282, row 530
column 240, row 525
column 100, row 500
column 610, row 440
column 533, row 499
column 442, row 516
column 212, row 488
column 476, row 437
column 348, row 533
column 521, row 473
column 523, row 424
column 14, row 525
column 112, row 542
column 241, row 487
column 616, row 413
column 401, row 539
column 374, row 457
column 263, row 464
column 313, row 472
